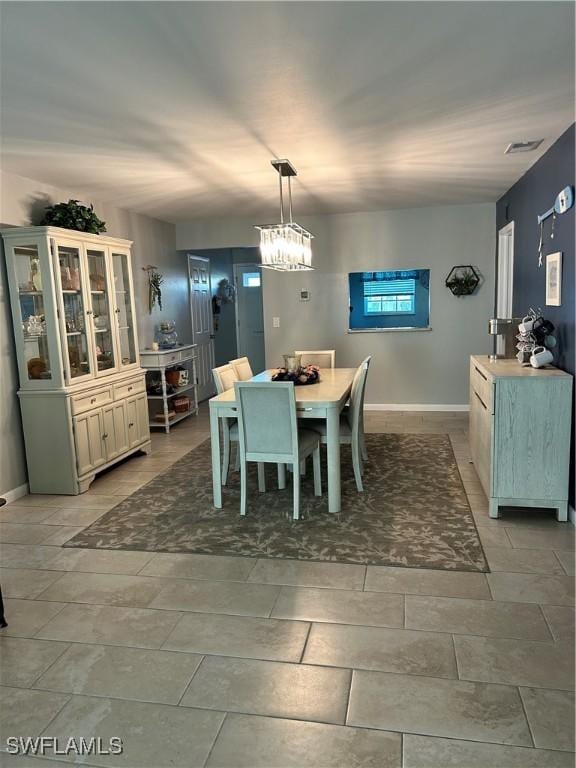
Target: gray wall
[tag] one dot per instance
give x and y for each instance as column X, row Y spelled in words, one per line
column 21, row 203
column 420, row 368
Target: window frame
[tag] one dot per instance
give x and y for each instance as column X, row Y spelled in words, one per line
column 251, row 276
column 404, row 316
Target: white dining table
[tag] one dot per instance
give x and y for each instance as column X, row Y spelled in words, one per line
column 324, row 400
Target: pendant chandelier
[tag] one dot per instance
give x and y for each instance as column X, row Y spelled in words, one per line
column 286, row 247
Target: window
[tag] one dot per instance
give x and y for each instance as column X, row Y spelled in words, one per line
column 389, row 297
column 251, row 280
column 391, row 300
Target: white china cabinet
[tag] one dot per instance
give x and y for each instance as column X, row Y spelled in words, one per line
column 82, row 391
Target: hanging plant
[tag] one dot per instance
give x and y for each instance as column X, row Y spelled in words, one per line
column 74, row 215
column 155, row 280
column 462, row 280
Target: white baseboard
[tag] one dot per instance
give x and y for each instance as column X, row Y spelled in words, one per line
column 415, row 407
column 15, row 493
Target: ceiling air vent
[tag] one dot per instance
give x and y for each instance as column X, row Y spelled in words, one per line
column 522, row 146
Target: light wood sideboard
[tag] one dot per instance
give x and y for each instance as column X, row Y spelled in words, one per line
column 520, row 425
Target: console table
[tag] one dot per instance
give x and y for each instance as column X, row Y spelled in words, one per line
column 159, row 361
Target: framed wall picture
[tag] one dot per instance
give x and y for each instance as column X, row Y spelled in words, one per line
column 554, row 279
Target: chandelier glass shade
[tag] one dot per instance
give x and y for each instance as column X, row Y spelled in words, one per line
column 285, row 247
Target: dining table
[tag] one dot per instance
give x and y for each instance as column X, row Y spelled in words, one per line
column 323, row 400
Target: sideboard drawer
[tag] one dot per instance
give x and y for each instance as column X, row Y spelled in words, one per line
column 128, row 388
column 481, row 425
column 482, row 385
column 94, row 399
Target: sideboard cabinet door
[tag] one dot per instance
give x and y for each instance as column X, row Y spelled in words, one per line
column 90, row 447
column 480, row 427
column 115, row 430
column 532, row 437
column 142, row 415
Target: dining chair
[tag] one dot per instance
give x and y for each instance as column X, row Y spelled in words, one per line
column 242, row 367
column 351, row 422
column 269, row 433
column 323, row 358
column 224, row 378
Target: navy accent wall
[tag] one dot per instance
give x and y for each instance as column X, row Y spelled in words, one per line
column 534, row 194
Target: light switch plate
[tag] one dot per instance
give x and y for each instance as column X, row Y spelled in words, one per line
column 276, row 322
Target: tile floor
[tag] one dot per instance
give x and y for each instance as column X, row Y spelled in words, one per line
column 197, row 661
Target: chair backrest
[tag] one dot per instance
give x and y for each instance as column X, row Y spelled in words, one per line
column 268, row 428
column 355, row 413
column 323, row 358
column 224, row 378
column 242, row 367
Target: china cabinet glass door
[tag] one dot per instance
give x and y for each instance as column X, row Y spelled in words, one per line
column 124, row 307
column 101, row 305
column 31, row 283
column 72, row 287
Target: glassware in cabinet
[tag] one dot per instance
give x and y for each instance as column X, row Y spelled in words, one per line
column 73, row 303
column 32, row 311
column 124, row 307
column 101, row 310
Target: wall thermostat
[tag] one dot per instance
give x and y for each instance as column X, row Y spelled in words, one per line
column 304, row 295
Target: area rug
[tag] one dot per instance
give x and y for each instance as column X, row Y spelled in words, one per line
column 413, row 512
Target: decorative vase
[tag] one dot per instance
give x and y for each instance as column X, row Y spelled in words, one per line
column 292, row 363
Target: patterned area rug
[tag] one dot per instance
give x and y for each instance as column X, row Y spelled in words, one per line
column 413, row 512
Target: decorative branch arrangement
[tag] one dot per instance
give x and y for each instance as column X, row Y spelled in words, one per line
column 155, row 280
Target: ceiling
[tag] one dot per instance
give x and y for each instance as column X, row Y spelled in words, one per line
column 176, row 109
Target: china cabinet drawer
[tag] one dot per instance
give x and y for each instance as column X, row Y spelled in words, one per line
column 93, row 399
column 129, row 388
column 482, row 385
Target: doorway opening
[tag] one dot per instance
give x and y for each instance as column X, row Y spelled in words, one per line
column 201, row 317
column 250, row 314
column 235, row 310
column 505, row 277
